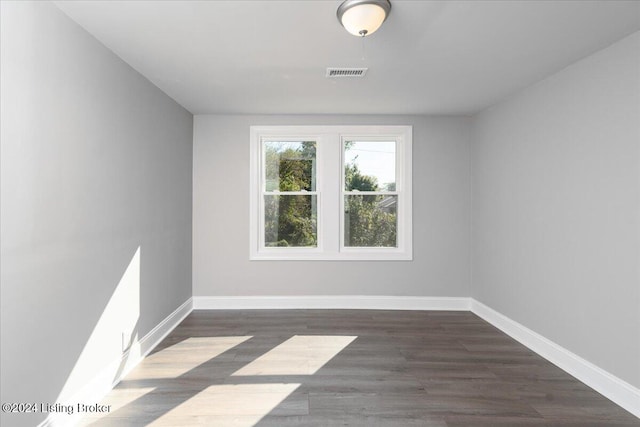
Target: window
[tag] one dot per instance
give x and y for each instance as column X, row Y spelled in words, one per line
column 330, row 193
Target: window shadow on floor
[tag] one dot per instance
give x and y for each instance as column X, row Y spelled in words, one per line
column 266, row 368
column 223, row 379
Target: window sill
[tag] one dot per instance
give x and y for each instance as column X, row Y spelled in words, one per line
column 342, row 256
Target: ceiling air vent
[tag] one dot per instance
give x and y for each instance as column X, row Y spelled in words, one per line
column 346, row 72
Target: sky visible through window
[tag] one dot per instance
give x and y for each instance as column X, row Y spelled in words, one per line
column 376, row 159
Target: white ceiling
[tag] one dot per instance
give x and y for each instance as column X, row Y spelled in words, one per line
column 430, row 57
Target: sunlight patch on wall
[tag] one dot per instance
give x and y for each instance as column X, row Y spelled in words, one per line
column 105, row 343
column 299, row 355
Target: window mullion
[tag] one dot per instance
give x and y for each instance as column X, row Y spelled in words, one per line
column 371, row 193
column 329, row 179
column 290, row 193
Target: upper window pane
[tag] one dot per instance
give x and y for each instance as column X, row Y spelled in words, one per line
column 290, row 166
column 370, row 166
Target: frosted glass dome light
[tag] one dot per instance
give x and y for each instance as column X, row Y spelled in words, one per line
column 363, row 17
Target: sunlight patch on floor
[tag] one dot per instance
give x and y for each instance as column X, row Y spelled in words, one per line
column 240, row 405
column 184, row 356
column 299, row 355
column 116, row 399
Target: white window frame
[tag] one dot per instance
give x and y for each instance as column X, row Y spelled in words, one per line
column 330, row 192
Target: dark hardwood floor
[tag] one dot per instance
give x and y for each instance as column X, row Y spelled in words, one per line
column 350, row 368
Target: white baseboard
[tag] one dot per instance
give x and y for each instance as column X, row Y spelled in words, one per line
column 610, row 386
column 356, row 302
column 96, row 389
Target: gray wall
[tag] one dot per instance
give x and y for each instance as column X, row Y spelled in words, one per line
column 556, row 208
column 96, row 163
column 96, row 166
column 441, row 223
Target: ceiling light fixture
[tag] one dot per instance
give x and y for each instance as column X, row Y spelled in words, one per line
column 363, row 17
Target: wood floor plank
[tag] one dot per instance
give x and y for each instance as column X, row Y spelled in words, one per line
column 267, row 368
